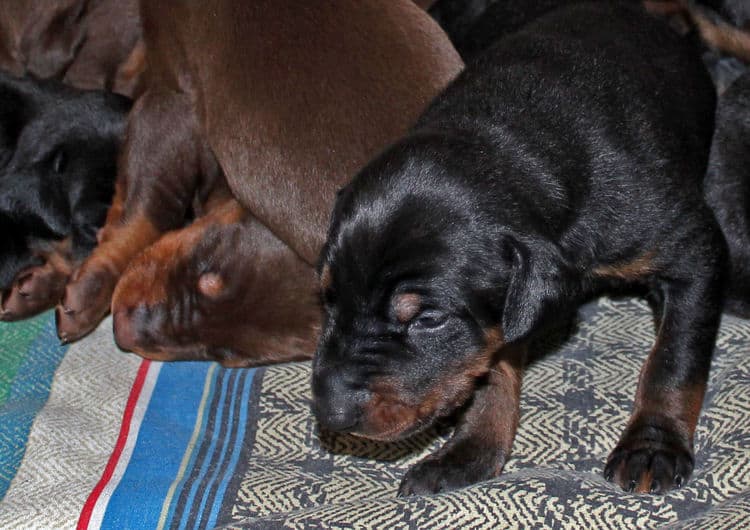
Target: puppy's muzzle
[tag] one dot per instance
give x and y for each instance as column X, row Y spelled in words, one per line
column 336, row 405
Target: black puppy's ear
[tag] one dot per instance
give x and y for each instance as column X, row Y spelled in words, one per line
column 535, row 286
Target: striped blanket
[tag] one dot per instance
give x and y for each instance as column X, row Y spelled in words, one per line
column 96, row 438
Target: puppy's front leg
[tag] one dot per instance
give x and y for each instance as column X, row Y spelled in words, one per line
column 483, row 438
column 655, row 454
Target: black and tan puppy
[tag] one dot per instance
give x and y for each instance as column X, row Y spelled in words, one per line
column 566, row 159
column 727, row 186
column 58, row 152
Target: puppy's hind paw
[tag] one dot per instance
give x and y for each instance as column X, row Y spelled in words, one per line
column 85, row 303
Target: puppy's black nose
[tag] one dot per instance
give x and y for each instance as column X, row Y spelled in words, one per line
column 336, row 407
column 339, row 419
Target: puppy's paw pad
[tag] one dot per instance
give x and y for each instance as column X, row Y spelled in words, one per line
column 655, row 468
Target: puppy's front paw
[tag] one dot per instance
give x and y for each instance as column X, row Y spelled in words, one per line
column 86, row 302
column 450, row 471
column 650, row 464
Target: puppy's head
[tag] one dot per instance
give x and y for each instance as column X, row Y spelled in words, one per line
column 58, row 154
column 220, row 289
column 421, row 288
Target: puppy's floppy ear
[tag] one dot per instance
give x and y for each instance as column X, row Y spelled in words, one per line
column 53, row 36
column 535, row 286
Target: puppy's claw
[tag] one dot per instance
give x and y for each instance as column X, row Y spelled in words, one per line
column 84, row 304
column 644, row 465
column 449, row 471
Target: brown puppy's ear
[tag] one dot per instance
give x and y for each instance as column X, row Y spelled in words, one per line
column 53, row 36
column 535, row 287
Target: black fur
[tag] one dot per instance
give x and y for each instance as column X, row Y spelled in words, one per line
column 567, row 159
column 473, row 25
column 735, row 11
column 728, row 186
column 58, row 149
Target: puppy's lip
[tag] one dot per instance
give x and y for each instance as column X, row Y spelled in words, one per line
column 398, row 433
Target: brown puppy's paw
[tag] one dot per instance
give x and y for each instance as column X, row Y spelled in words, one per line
column 650, row 464
column 35, row 290
column 449, row 471
column 85, row 304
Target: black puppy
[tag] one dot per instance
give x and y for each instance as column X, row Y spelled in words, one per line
column 58, row 151
column 727, row 186
column 567, row 159
column 473, row 25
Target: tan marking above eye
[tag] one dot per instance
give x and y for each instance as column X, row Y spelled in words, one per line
column 406, row 306
column 211, row 284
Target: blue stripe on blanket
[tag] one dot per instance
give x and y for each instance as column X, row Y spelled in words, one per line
column 29, row 392
column 185, row 453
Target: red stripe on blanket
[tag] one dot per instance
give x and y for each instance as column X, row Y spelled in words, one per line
column 135, row 392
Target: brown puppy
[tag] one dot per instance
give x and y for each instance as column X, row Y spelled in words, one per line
column 85, row 43
column 287, row 101
column 224, row 289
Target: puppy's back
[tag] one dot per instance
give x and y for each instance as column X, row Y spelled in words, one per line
column 592, row 86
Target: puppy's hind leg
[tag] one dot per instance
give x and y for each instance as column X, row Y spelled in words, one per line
column 162, row 160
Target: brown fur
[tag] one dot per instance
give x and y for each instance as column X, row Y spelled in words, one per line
column 657, row 406
column 722, row 37
column 284, row 99
column 82, row 42
column 388, row 416
column 630, row 271
column 325, row 279
column 261, row 307
column 39, row 288
column 483, row 440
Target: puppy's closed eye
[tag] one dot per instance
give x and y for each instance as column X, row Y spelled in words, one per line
column 59, row 161
column 430, row 319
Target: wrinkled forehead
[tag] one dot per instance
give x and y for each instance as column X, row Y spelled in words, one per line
column 361, row 275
